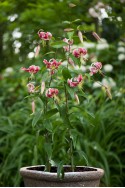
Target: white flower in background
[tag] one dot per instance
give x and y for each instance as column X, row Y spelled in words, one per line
column 64, row 63
column 93, row 13
column 121, row 49
column 16, row 33
column 122, row 1
column 96, row 85
column 102, row 44
column 119, row 18
column 89, row 45
column 8, row 71
column 118, row 94
column 83, row 68
column 108, row 82
column 108, row 68
column 94, row 59
column 121, row 57
column 31, row 55
column 121, row 43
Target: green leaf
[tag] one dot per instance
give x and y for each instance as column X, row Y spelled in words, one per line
column 49, row 53
column 40, row 101
column 90, row 114
column 76, row 20
column 60, row 170
column 74, row 136
column 76, row 60
column 66, row 22
column 50, row 113
column 70, row 91
column 81, row 93
column 48, row 125
column 66, row 74
column 48, row 149
column 70, row 34
column 36, row 118
column 64, row 115
column 81, row 153
column 58, row 44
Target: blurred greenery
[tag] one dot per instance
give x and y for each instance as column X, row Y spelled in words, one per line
column 102, row 138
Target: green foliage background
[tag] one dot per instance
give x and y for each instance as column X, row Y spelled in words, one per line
column 102, row 139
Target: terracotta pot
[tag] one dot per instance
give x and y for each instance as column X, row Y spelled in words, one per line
column 35, row 176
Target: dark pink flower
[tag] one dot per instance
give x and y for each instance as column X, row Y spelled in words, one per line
column 52, row 64
column 73, row 82
column 98, row 65
column 70, row 42
column 95, row 67
column 93, row 70
column 66, row 48
column 32, row 69
column 51, row 92
column 79, row 52
column 44, row 35
column 31, row 87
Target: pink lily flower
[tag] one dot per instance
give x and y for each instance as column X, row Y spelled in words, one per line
column 51, row 92
column 44, row 35
column 73, row 82
column 79, row 52
column 52, row 64
column 32, row 69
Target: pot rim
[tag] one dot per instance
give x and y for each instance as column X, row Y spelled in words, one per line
column 69, row 176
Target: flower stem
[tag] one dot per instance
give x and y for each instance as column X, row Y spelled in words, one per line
column 66, row 98
column 68, row 56
column 71, row 153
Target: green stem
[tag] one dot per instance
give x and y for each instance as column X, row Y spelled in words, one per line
column 71, row 153
column 71, row 142
column 68, row 56
column 48, row 165
column 66, row 98
column 50, row 80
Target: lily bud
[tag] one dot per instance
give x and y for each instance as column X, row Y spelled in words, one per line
column 42, row 87
column 96, row 36
column 37, row 50
column 80, row 36
column 33, row 106
column 108, row 92
column 76, row 98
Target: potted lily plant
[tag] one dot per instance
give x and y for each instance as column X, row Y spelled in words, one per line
column 58, row 86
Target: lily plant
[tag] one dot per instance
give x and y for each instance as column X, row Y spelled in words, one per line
column 59, row 87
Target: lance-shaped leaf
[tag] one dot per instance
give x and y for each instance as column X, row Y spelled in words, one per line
column 50, row 113
column 76, row 60
column 59, row 44
column 36, row 118
column 66, row 74
column 70, row 35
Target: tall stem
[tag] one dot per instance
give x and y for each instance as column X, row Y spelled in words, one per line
column 71, row 142
column 66, row 97
column 48, row 165
column 71, row 153
column 68, row 56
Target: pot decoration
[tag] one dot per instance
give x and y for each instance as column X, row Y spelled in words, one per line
column 83, row 176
